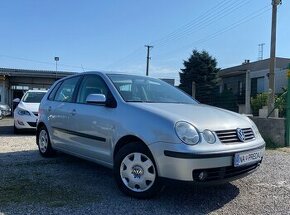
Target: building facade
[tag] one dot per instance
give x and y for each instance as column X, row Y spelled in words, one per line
column 233, row 79
column 15, row 82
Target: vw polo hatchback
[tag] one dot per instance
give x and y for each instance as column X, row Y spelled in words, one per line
column 146, row 130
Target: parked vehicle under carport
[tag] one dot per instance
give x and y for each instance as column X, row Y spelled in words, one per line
column 5, row 110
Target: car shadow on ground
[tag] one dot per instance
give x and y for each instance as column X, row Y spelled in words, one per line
column 68, row 182
column 8, row 131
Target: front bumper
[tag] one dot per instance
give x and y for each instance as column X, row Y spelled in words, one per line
column 6, row 112
column 181, row 162
column 25, row 122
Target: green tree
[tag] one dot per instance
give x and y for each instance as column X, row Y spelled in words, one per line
column 202, row 69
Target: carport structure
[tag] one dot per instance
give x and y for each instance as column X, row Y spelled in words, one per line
column 15, row 82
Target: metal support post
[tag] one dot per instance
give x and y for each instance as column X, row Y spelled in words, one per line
column 288, row 110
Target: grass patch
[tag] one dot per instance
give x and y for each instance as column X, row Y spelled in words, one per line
column 28, row 191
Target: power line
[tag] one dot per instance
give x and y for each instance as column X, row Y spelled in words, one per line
column 44, row 62
column 228, row 28
column 192, row 22
column 176, row 32
column 203, row 23
column 134, row 52
column 205, row 19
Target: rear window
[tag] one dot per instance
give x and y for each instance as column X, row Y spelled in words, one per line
column 33, row 97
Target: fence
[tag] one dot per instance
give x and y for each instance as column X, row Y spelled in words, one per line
column 232, row 97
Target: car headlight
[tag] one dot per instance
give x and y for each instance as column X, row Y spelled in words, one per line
column 209, row 136
column 187, row 133
column 23, row 112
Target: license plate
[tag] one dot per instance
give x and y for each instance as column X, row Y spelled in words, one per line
column 246, row 158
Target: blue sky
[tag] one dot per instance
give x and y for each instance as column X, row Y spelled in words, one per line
column 110, row 35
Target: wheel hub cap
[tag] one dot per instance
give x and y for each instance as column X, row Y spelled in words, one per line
column 137, row 171
column 43, row 141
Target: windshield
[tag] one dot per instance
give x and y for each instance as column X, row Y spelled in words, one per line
column 33, row 97
column 143, row 89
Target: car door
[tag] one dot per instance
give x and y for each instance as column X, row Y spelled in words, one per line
column 61, row 114
column 94, row 123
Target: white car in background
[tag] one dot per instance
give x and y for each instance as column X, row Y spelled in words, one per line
column 26, row 113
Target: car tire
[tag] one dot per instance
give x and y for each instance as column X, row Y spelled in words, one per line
column 43, row 142
column 135, row 171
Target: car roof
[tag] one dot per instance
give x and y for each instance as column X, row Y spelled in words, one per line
column 36, row 91
column 104, row 73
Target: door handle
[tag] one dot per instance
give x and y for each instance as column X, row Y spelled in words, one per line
column 73, row 112
column 49, row 109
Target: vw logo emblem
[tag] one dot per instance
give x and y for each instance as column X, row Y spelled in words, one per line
column 137, row 171
column 241, row 135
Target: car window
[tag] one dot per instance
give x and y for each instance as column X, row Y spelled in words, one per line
column 91, row 84
column 144, row 89
column 66, row 90
column 53, row 92
column 33, row 97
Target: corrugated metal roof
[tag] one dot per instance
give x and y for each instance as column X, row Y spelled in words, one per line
column 33, row 73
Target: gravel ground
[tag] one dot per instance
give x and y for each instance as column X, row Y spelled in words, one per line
column 30, row 184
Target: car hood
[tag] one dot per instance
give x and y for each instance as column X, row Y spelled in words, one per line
column 33, row 107
column 4, row 107
column 201, row 116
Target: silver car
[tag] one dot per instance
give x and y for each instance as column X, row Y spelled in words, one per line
column 146, row 130
column 5, row 110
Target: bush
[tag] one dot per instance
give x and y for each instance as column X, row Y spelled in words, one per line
column 280, row 103
column 258, row 102
column 262, row 100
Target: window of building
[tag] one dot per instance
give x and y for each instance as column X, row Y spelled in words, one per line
column 241, row 88
column 18, row 87
column 260, row 85
column 257, row 85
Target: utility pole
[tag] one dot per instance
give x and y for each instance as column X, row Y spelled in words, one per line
column 261, row 51
column 148, row 58
column 56, row 60
column 271, row 99
column 248, row 93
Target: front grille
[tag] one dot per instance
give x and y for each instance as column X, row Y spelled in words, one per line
column 32, row 124
column 231, row 136
column 214, row 174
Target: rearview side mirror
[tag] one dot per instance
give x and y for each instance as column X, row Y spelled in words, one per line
column 17, row 100
column 96, row 99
